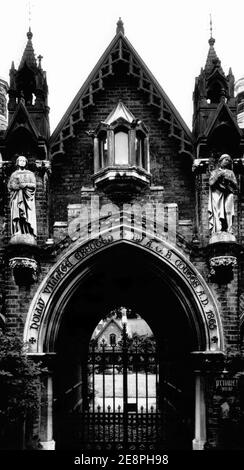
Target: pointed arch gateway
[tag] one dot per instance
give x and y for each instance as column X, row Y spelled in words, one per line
column 149, row 275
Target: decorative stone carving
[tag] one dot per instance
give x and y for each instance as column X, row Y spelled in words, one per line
column 221, row 268
column 22, row 187
column 222, row 237
column 222, row 187
column 25, row 270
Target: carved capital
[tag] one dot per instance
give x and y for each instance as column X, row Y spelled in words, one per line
column 25, row 270
column 221, row 268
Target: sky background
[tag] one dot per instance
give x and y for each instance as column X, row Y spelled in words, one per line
column 171, row 37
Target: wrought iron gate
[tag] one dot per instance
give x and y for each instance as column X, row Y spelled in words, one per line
column 122, row 406
column 128, row 397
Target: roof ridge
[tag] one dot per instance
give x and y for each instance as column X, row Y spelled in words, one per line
column 84, row 93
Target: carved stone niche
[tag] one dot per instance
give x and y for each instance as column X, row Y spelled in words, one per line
column 222, row 258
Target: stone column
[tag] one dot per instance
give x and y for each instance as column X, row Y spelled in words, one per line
column 132, row 148
column 46, row 434
column 147, row 154
column 96, row 155
column 201, row 173
column 200, row 413
column 110, row 147
column 172, row 219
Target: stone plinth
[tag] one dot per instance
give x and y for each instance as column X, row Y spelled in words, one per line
column 22, row 239
column 22, row 254
column 25, row 270
column 222, row 237
column 222, row 257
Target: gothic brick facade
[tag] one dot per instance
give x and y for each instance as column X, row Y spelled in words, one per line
column 140, row 213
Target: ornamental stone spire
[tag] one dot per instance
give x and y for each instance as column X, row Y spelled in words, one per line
column 120, row 27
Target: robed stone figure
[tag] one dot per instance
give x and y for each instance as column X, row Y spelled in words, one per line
column 22, row 188
column 222, row 187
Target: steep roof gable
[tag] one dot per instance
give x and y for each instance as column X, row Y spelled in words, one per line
column 222, row 114
column 106, row 326
column 21, row 118
column 120, row 49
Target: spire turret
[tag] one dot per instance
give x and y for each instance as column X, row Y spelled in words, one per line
column 212, row 87
column 28, row 88
column 28, row 57
column 212, row 61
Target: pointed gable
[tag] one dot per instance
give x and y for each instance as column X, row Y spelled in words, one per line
column 121, row 50
column 120, row 111
column 22, row 119
column 222, row 116
column 106, row 328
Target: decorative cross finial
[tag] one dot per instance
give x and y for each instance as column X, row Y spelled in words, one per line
column 40, row 57
column 120, row 27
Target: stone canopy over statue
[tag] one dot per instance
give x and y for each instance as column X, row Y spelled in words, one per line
column 222, row 187
column 22, row 188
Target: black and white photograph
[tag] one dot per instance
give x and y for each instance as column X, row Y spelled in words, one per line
column 121, row 232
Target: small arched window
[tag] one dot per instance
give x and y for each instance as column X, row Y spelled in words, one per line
column 112, row 339
column 121, row 148
column 103, row 150
column 215, row 92
column 140, row 150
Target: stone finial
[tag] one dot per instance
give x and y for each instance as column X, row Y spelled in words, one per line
column 29, row 34
column 120, row 27
column 40, row 57
column 211, row 40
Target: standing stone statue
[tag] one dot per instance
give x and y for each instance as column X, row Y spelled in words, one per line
column 22, row 187
column 222, row 187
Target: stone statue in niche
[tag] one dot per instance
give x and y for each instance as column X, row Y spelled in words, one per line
column 222, row 187
column 22, row 188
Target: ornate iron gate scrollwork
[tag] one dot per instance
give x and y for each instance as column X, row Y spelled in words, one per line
column 122, row 411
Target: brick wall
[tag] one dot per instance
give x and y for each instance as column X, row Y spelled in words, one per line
column 168, row 168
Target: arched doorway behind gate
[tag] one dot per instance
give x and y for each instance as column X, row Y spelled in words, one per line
column 111, row 390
